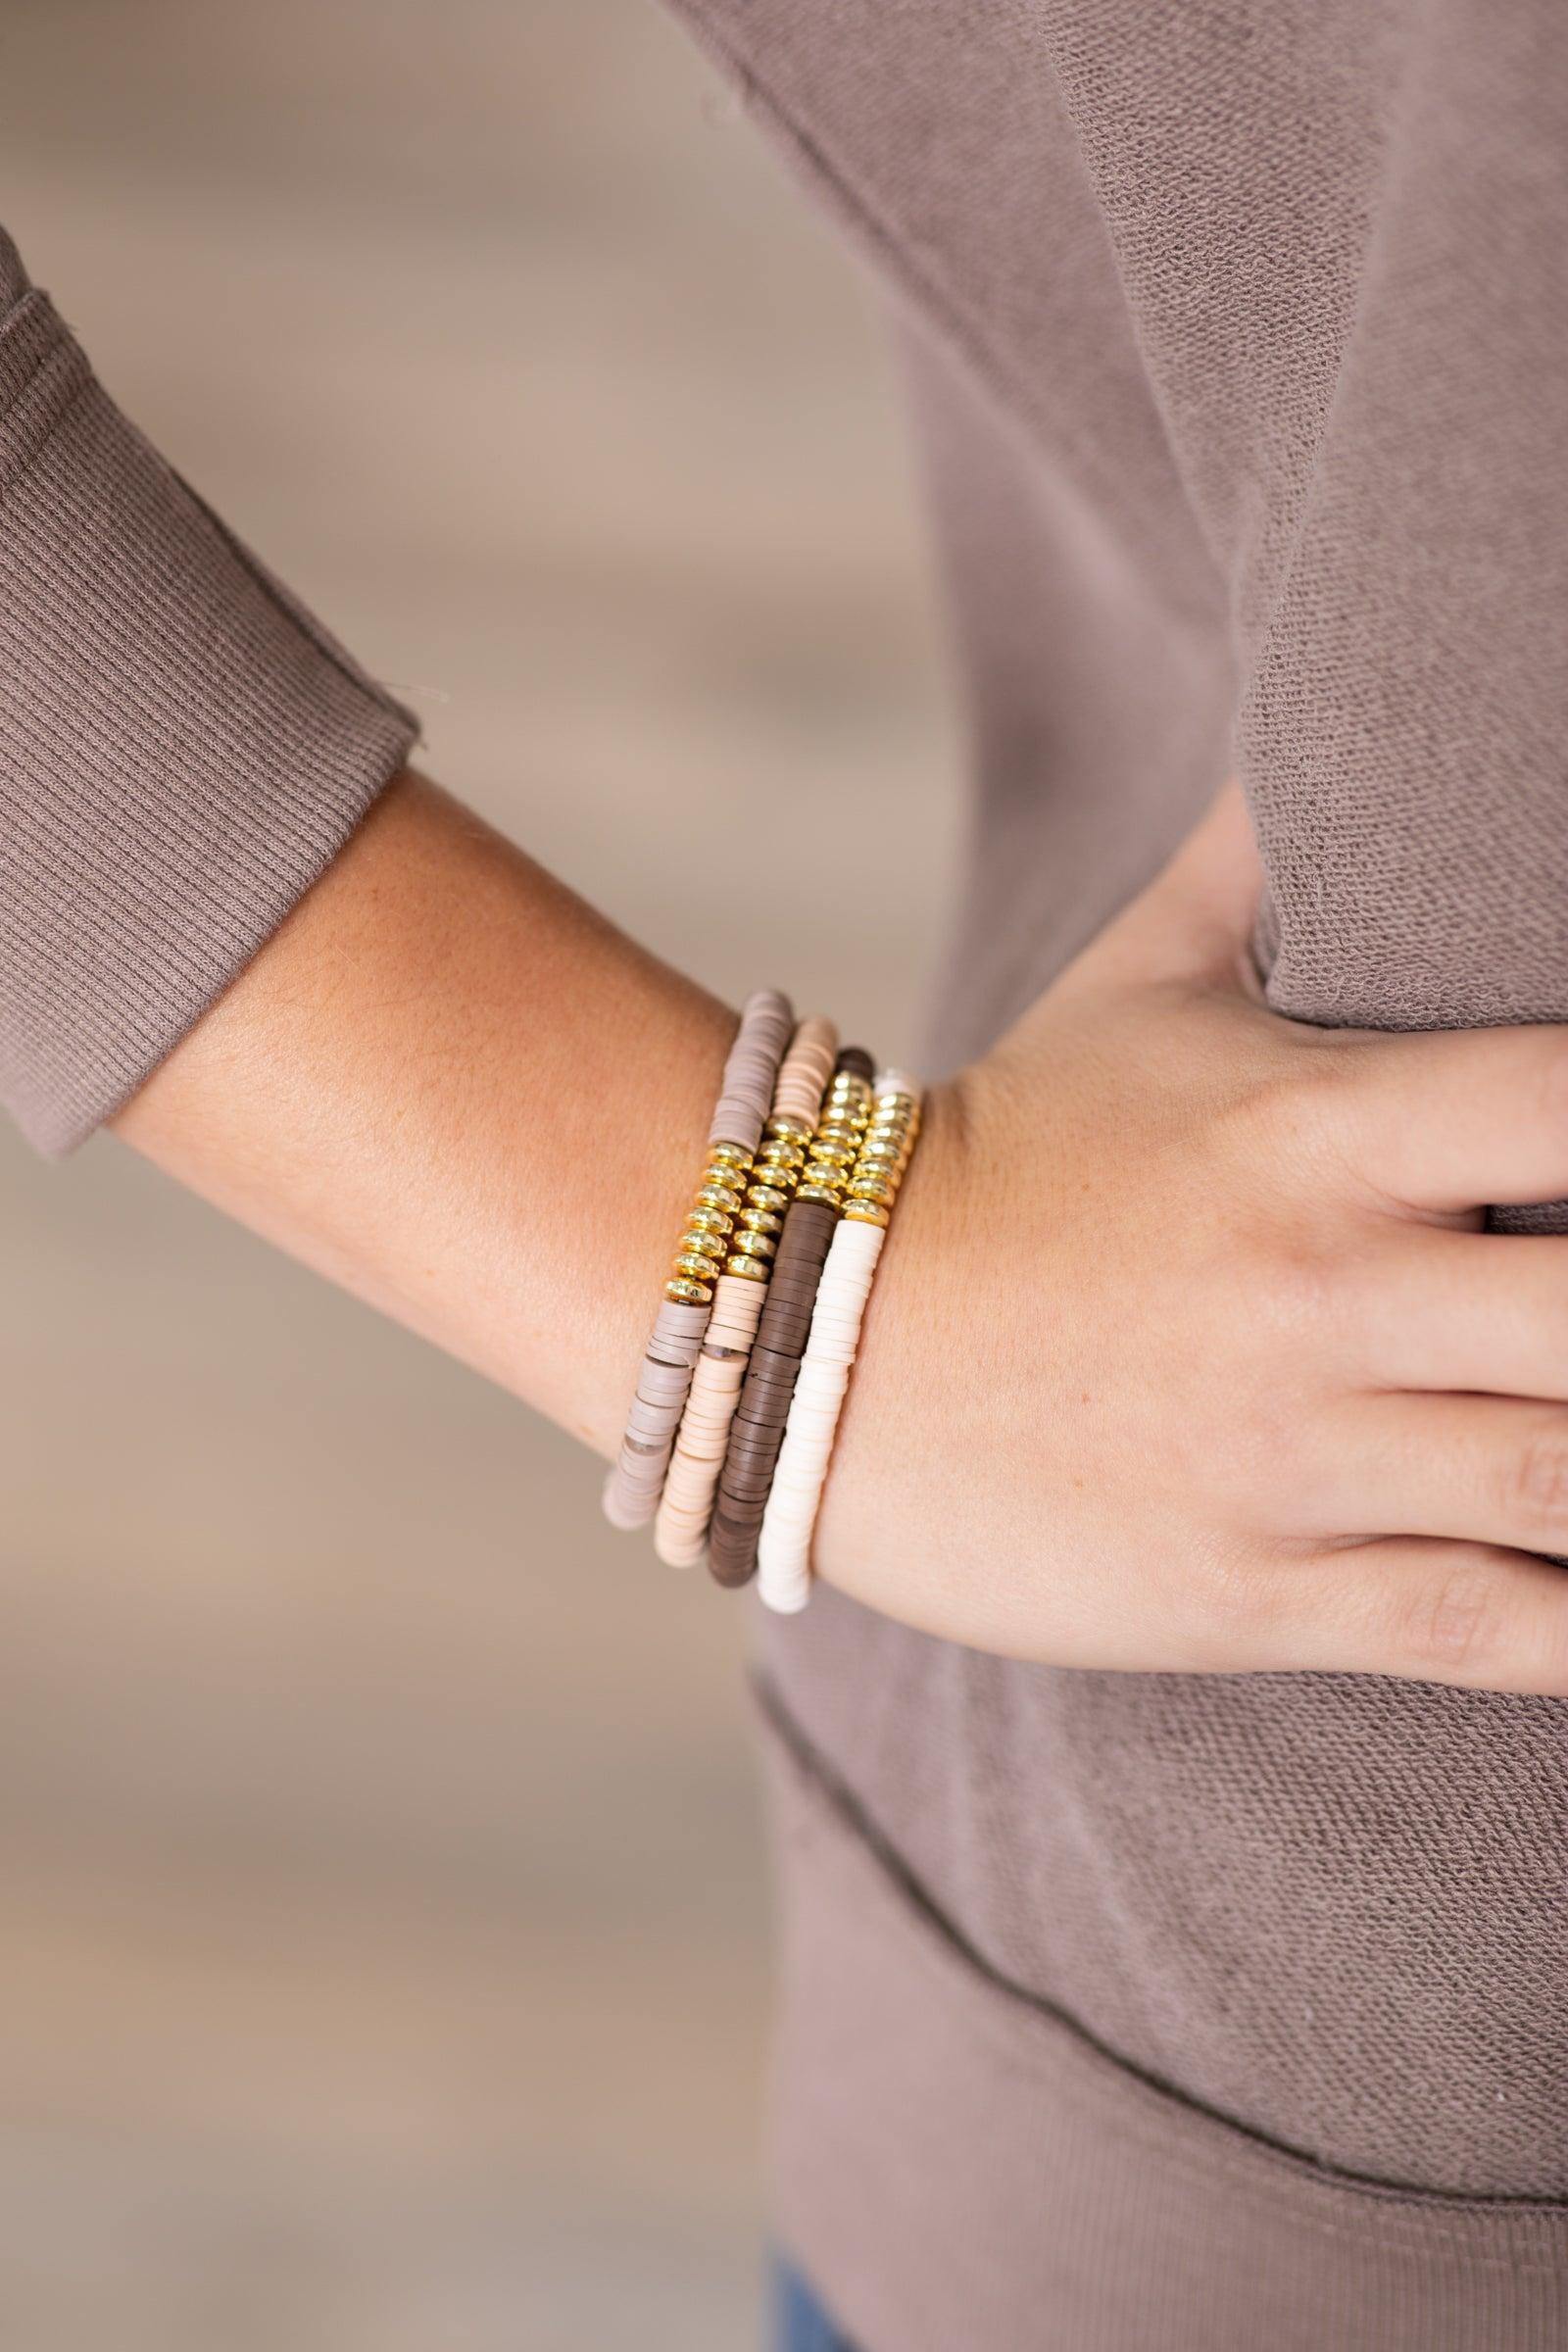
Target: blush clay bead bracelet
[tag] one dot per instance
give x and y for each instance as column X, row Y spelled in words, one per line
column 784, row 1547
column 746, row 1094
column 680, row 1531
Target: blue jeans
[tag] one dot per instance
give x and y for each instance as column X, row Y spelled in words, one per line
column 800, row 2324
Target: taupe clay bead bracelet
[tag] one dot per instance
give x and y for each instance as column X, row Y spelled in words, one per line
column 632, row 1488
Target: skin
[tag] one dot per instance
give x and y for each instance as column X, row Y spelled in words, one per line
column 1227, row 1375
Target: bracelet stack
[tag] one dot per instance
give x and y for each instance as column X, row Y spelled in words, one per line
column 730, row 1431
column 680, row 1531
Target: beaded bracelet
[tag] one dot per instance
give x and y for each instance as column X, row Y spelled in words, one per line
column 784, row 1547
column 680, row 1531
column 632, row 1488
column 758, row 1429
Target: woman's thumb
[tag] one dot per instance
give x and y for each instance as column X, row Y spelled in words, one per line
column 1194, row 922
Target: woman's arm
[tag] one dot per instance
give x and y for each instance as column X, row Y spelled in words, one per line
column 451, row 1086
column 1186, row 1351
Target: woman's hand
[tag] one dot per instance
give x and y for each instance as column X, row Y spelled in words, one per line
column 1187, row 1352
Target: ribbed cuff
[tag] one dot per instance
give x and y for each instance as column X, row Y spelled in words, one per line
column 182, row 749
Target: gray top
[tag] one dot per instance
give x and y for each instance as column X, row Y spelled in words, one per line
column 1117, row 2010
column 181, row 747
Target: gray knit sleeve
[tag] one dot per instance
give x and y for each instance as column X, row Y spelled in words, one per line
column 182, row 749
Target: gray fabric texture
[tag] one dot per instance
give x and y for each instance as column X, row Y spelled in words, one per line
column 182, row 748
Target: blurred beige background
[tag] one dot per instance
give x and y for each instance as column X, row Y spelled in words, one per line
column 382, row 1936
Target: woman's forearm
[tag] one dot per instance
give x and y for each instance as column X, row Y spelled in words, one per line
column 451, row 1086
column 1187, row 1353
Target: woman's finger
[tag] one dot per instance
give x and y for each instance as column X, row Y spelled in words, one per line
column 1471, row 1614
column 1487, row 1312
column 1453, row 1119
column 1476, row 1469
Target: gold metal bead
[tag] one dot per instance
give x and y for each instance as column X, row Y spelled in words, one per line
column 697, row 1269
column 731, row 1155
column 829, row 1194
column 837, row 1154
column 755, row 1245
column 686, row 1293
column 865, row 1212
column 785, row 1122
column 701, row 1245
column 873, row 1188
column 710, row 1220
column 719, row 1195
column 759, row 1220
column 784, row 1151
column 750, row 1269
column 771, row 1197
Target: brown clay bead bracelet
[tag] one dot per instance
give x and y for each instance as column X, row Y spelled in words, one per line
column 756, row 1431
